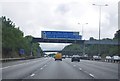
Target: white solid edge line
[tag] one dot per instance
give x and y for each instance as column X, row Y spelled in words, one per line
column 18, row 64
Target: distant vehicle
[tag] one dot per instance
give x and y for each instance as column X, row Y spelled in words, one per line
column 68, row 56
column 108, row 58
column 116, row 58
column 85, row 57
column 75, row 58
column 95, row 57
column 63, row 57
column 45, row 55
column 58, row 56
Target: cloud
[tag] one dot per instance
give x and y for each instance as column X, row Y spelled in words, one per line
column 53, row 46
column 62, row 9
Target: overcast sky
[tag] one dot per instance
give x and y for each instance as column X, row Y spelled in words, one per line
column 34, row 16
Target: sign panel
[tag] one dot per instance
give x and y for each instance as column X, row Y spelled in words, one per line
column 22, row 51
column 60, row 35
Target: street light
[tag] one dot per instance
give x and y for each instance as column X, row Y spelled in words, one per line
column 83, row 29
column 99, row 20
column 83, row 51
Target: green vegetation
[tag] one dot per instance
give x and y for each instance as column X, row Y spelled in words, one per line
column 93, row 49
column 72, row 49
column 13, row 40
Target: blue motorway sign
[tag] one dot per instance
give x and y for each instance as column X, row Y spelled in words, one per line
column 60, row 35
column 22, row 51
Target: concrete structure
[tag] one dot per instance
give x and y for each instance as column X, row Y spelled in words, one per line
column 107, row 42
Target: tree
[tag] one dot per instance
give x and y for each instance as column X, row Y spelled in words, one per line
column 11, row 37
column 91, row 38
column 13, row 41
column 117, row 35
column 73, row 49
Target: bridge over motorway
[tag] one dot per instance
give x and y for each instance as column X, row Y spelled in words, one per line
column 107, row 42
column 59, row 51
column 51, row 50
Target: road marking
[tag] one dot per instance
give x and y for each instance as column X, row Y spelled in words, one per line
column 41, row 68
column 20, row 64
column 74, row 65
column 32, row 75
column 5, row 67
column 17, row 65
column 92, row 75
column 80, row 68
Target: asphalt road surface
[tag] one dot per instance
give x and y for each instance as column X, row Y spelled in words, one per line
column 48, row 68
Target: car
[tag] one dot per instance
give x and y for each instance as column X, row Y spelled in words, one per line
column 108, row 58
column 75, row 58
column 63, row 57
column 116, row 58
column 95, row 57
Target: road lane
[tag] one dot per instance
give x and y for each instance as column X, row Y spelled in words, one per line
column 47, row 68
column 100, row 70
column 59, row 70
column 20, row 71
column 11, row 63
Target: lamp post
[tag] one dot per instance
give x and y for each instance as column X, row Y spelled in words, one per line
column 99, row 22
column 83, row 51
column 83, row 29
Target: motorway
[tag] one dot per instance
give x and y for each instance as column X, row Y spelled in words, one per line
column 47, row 68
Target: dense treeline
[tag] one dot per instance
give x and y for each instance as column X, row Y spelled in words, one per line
column 13, row 41
column 94, row 49
column 72, row 49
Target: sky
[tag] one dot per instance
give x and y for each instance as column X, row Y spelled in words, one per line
column 34, row 16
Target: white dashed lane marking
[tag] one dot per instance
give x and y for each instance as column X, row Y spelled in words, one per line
column 80, row 68
column 32, row 75
column 92, row 75
column 41, row 68
column 87, row 73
